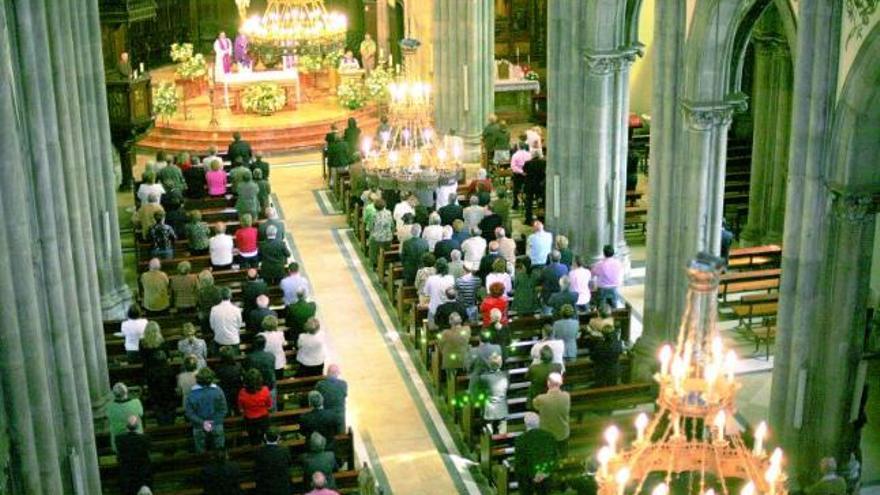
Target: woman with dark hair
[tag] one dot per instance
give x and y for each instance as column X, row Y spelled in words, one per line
column 525, row 301
column 229, row 378
column 198, row 233
column 352, row 137
column 255, row 402
column 310, row 350
column 495, row 300
column 132, row 329
column 605, row 349
column 338, row 156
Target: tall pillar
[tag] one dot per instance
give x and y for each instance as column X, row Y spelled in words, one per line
column 464, row 69
column 825, row 243
column 665, row 274
column 771, row 103
column 383, row 28
column 50, row 318
column 586, row 163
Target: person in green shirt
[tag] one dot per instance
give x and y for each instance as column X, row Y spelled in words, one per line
column 122, row 408
column 198, row 234
column 248, row 195
column 236, row 175
column 264, row 189
column 830, row 483
column 298, row 314
column 501, row 207
column 490, row 137
column 155, row 284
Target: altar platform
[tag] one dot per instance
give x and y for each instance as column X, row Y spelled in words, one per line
column 300, row 129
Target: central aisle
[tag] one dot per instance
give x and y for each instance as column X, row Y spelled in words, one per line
column 391, row 413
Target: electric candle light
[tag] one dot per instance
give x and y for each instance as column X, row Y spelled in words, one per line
column 760, row 433
column 776, row 457
column 749, row 489
column 665, row 358
column 661, row 489
column 711, row 376
column 730, row 364
column 678, row 371
column 676, row 426
column 641, row 424
column 720, row 422
column 612, row 434
column 710, row 491
column 603, row 456
column 622, row 477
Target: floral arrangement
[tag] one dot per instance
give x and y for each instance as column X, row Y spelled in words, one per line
column 531, row 75
column 181, row 52
column 263, row 98
column 309, row 63
column 352, row 94
column 190, row 66
column 332, row 58
column 376, row 84
column 165, row 100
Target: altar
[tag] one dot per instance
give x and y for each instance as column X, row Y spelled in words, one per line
column 513, row 93
column 234, row 83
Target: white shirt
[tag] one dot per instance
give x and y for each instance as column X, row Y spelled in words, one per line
column 133, row 331
column 310, row 349
column 507, row 249
column 221, row 249
column 404, row 233
column 401, row 209
column 435, row 289
column 473, row 215
column 433, row 234
column 538, row 247
column 473, row 249
column 558, row 347
column 291, row 285
column 144, row 191
column 225, row 321
column 502, row 278
column 533, row 139
column 580, row 283
column 275, row 344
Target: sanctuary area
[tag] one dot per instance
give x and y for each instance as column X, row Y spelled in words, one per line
column 574, row 247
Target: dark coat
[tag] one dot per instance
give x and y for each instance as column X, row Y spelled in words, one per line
column 550, row 276
column 273, row 259
column 229, row 380
column 272, row 470
column 323, row 421
column 444, row 248
column 486, row 263
column 264, row 362
column 411, row 252
column 298, row 314
column 536, row 171
column 324, row 462
column 279, row 226
column 195, row 182
column 488, row 225
column 253, row 289
column 535, row 453
column 255, row 318
column 338, row 155
column 239, row 149
column 222, row 478
column 605, row 353
column 451, row 213
column 133, row 454
column 261, row 166
column 334, row 392
column 561, row 298
column 445, row 310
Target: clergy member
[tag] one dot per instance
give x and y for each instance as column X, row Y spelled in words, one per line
column 242, row 58
column 368, row 52
column 124, row 66
column 222, row 56
column 348, row 62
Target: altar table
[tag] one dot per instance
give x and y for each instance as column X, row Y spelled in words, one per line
column 513, row 98
column 234, row 83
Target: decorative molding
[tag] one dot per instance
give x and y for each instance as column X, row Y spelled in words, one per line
column 854, row 207
column 860, row 13
column 770, row 44
column 703, row 116
column 604, row 62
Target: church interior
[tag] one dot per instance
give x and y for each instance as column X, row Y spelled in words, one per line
column 440, row 246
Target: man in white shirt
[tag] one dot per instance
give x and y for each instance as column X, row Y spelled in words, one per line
column 433, row 233
column 293, row 283
column 225, row 320
column 538, row 245
column 474, row 213
column 405, row 206
column 556, row 345
column 506, row 247
column 436, row 286
column 473, row 248
column 220, row 247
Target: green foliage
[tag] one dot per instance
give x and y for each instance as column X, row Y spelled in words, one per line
column 181, row 52
column 376, row 84
column 332, row 58
column 263, row 98
column 309, row 63
column 165, row 100
column 190, row 66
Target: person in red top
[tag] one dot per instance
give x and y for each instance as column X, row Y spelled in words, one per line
column 495, row 300
column 254, row 402
column 246, row 242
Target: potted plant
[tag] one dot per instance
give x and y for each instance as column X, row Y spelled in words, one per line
column 165, row 101
column 263, row 98
column 308, row 66
column 331, row 65
column 376, row 85
column 269, row 55
column 351, row 94
column 192, row 69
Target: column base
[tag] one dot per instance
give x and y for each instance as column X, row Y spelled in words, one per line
column 644, row 360
column 622, row 252
column 114, row 304
column 99, row 405
column 473, row 149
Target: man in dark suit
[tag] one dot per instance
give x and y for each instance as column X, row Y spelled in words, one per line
column 441, row 316
column 334, row 390
column 221, row 476
column 256, row 316
column 264, row 362
column 536, row 171
column 272, row 466
column 489, row 223
column 133, row 454
column 319, row 419
column 253, row 287
column 319, row 460
column 271, row 220
column 411, row 253
column 273, row 254
column 261, row 165
column 535, row 457
column 452, row 211
column 239, row 148
column 550, row 276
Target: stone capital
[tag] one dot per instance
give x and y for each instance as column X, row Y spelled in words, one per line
column 605, row 62
column 770, row 44
column 854, row 207
column 703, row 116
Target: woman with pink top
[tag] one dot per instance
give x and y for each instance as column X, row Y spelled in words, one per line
column 216, row 179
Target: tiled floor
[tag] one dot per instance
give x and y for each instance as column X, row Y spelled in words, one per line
column 401, row 431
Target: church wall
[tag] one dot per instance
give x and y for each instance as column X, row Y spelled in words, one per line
column 642, row 72
column 874, row 302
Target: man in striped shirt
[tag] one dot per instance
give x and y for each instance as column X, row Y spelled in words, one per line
column 466, row 286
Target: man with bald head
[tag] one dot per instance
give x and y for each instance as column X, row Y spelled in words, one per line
column 334, row 390
column 133, row 455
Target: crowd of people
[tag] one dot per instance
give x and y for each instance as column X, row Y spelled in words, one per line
column 244, row 386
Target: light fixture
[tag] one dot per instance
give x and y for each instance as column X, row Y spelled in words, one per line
column 297, row 22
column 691, row 432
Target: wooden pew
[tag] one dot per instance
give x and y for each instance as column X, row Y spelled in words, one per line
column 757, row 280
column 746, row 258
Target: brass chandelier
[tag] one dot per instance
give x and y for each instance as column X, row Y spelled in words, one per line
column 298, row 22
column 692, row 444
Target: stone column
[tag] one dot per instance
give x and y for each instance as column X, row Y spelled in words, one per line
column 464, row 69
column 665, row 281
column 771, row 103
column 383, row 28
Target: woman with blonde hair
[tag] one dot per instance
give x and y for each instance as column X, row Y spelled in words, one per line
column 192, row 345
column 209, row 296
column 151, row 343
column 565, row 254
column 216, row 178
